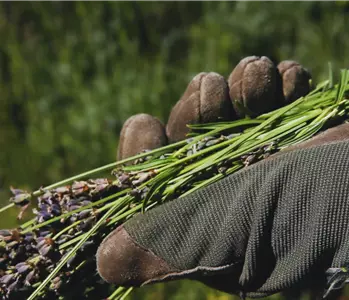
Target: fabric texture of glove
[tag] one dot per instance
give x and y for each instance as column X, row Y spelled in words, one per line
column 276, row 225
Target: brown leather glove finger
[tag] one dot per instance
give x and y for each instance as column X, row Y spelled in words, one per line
column 205, row 100
column 140, row 132
column 295, row 80
column 255, row 86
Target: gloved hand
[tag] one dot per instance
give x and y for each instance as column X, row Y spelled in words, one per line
column 278, row 224
column 218, row 235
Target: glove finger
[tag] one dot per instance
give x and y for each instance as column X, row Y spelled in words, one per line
column 295, row 80
column 205, row 100
column 215, row 104
column 254, row 86
column 139, row 133
column 121, row 260
column 186, row 111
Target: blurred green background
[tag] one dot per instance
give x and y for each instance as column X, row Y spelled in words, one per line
column 72, row 72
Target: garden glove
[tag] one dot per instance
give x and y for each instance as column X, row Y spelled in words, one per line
column 276, row 225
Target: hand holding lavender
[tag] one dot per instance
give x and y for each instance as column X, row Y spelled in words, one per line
column 48, row 255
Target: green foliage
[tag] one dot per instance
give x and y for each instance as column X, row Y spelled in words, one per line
column 72, row 72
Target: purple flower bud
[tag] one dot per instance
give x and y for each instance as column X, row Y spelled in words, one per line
column 85, row 246
column 142, row 177
column 213, row 142
column 6, row 279
column 55, row 209
column 20, row 264
column 73, row 218
column 83, row 214
column 87, row 224
column 13, row 286
column 200, row 145
column 3, row 260
column 12, row 244
column 51, row 200
column 61, row 240
column 70, row 262
column 99, row 188
column 45, row 196
column 20, row 249
column 44, row 233
column 100, row 185
column 135, row 192
column 12, row 254
column 29, row 278
column 73, row 201
column 68, row 236
column 56, row 283
column 101, row 181
column 232, row 135
column 85, row 202
column 28, row 238
column 43, row 216
column 123, row 178
column 62, row 190
column 24, row 267
column 64, row 238
column 21, row 198
column 56, row 279
column 74, row 207
column 45, row 249
column 43, row 206
column 40, row 242
column 5, row 232
column 50, row 268
column 71, row 231
column 79, row 185
column 15, row 191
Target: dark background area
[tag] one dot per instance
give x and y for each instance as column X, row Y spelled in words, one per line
column 72, row 72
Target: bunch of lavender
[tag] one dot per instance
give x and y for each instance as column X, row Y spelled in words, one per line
column 52, row 256
column 32, row 251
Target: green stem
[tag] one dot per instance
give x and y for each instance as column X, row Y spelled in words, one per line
column 118, row 217
column 66, row 229
column 213, row 132
column 101, row 169
column 216, row 157
column 123, row 297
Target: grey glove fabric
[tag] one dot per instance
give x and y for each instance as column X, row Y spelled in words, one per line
column 273, row 226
